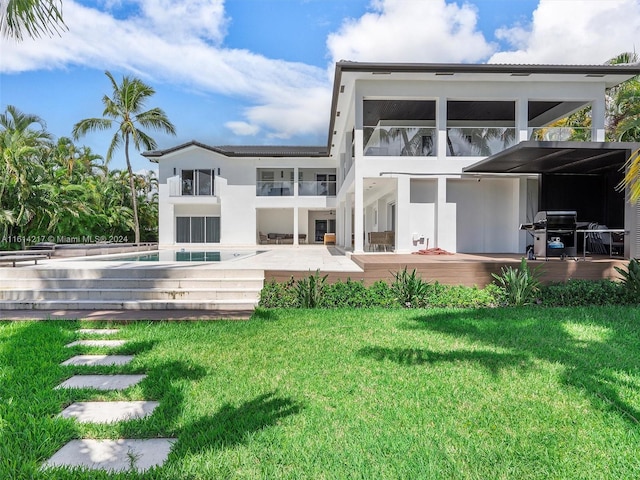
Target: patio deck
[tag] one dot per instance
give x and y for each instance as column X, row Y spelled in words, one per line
column 461, row 269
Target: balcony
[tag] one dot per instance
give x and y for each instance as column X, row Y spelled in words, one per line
column 200, row 184
column 400, row 141
column 317, row 188
column 560, row 134
column 274, row 189
column 479, row 142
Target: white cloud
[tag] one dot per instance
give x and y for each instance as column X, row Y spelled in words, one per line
column 242, row 128
column 574, row 32
column 158, row 45
column 412, row 31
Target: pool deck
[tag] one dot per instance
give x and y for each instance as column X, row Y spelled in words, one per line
column 281, row 262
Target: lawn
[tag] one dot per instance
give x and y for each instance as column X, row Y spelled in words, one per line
column 470, row 394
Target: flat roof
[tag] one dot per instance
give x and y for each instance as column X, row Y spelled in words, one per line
column 532, row 157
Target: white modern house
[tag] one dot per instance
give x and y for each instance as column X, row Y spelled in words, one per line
column 455, row 156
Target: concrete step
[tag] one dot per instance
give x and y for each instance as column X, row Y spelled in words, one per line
column 95, row 360
column 112, row 294
column 108, row 412
column 128, row 283
column 212, row 305
column 102, row 382
column 129, row 272
column 121, row 455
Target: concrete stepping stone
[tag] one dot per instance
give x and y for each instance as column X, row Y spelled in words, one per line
column 102, row 382
column 98, row 331
column 97, row 343
column 96, row 360
column 113, row 455
column 108, row 412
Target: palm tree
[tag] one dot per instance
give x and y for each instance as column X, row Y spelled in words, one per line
column 22, row 150
column 624, row 122
column 31, row 17
column 126, row 108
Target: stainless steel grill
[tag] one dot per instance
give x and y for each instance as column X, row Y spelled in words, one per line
column 554, row 233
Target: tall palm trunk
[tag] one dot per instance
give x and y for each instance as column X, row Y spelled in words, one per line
column 132, row 186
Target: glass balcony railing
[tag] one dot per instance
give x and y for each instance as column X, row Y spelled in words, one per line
column 479, row 142
column 315, row 188
column 560, row 134
column 400, row 141
column 274, row 189
column 186, row 187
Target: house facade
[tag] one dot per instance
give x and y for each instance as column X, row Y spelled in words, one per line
column 418, row 155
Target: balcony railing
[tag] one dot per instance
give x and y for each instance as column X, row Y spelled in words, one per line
column 560, row 134
column 315, row 188
column 179, row 187
column 400, row 141
column 479, row 142
column 274, row 189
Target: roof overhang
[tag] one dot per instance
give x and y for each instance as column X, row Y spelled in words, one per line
column 346, row 73
column 533, row 157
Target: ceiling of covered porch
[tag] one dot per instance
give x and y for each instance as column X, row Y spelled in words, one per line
column 531, row 157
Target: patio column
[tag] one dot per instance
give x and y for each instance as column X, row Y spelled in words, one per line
column 522, row 119
column 358, row 216
column 348, row 207
column 295, row 220
column 403, row 200
column 598, row 119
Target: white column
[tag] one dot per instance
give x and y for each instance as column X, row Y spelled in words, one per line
column 522, row 119
column 295, row 181
column 598, row 119
column 295, row 222
column 403, row 200
column 441, row 124
column 348, row 206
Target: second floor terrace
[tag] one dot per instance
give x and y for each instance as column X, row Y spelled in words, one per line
column 411, row 128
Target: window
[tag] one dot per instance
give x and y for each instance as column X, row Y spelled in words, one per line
column 197, row 182
column 197, row 229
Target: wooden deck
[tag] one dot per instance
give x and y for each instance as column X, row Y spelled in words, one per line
column 462, row 269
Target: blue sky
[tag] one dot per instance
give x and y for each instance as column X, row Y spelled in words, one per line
column 259, row 72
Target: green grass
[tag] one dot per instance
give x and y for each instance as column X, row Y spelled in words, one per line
column 452, row 394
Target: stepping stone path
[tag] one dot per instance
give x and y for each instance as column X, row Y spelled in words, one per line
column 93, row 360
column 98, row 331
column 108, row 412
column 102, row 382
column 97, row 343
column 111, row 455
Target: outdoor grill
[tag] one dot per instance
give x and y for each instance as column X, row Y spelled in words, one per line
column 554, row 233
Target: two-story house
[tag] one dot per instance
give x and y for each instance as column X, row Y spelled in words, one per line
column 455, row 156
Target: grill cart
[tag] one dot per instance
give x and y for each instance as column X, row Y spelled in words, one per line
column 554, row 234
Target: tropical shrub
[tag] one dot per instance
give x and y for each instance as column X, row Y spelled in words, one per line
column 309, row 290
column 578, row 293
column 409, row 288
column 520, row 285
column 631, row 279
column 346, row 294
column 278, row 295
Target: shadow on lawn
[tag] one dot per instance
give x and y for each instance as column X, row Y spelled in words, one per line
column 492, row 361
column 30, row 356
column 594, row 366
column 232, row 425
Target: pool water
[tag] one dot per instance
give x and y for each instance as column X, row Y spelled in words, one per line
column 178, row 256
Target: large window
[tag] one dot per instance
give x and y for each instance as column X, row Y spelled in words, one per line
column 197, row 182
column 197, row 229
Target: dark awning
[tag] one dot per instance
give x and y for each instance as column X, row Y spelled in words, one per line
column 557, row 157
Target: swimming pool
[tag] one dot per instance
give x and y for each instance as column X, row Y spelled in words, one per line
column 179, row 256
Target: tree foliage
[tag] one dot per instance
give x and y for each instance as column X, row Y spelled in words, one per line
column 32, row 18
column 57, row 190
column 126, row 109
